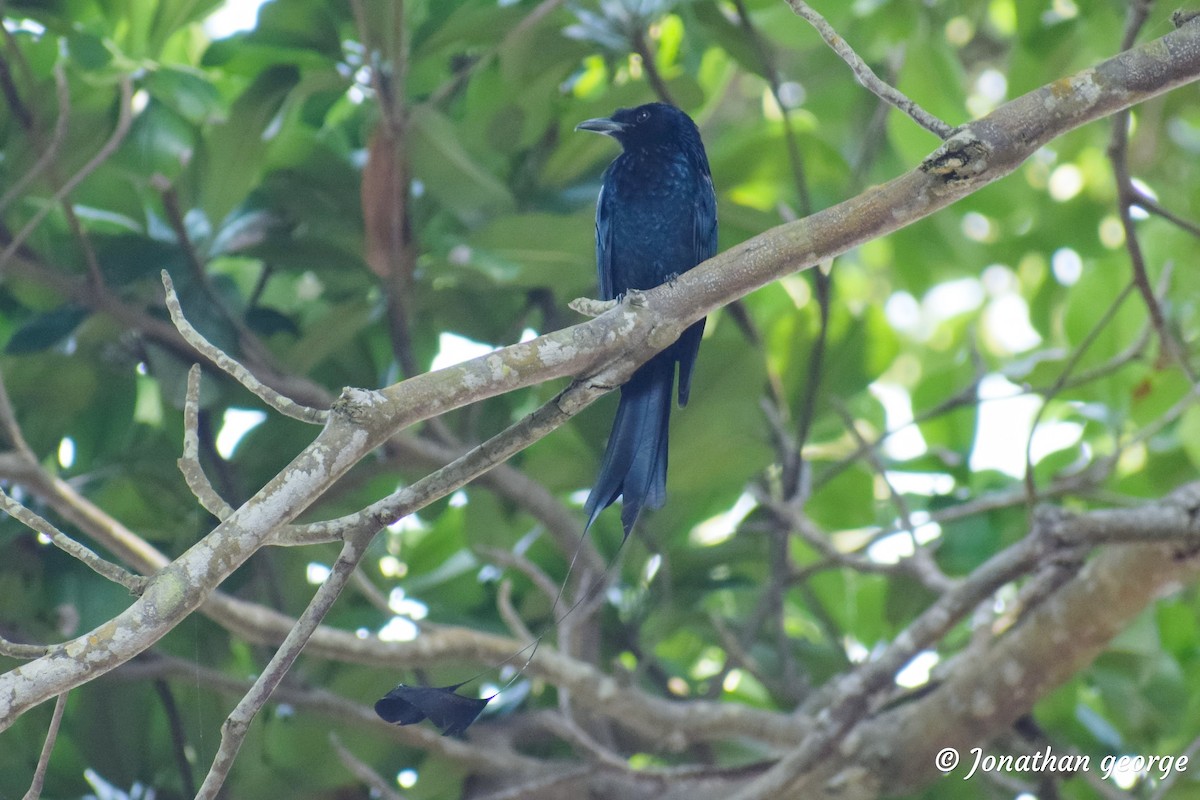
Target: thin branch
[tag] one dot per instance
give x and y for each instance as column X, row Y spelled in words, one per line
column 516, row 625
column 136, row 584
column 8, row 86
column 39, row 774
column 11, row 429
column 1076, row 355
column 1167, row 418
column 1126, row 199
column 1139, row 12
column 736, row 655
column 50, row 151
column 968, row 395
column 771, row 71
column 189, row 462
column 849, row 699
column 179, row 744
column 795, row 483
column 510, row 483
column 775, row 600
column 1149, row 204
column 361, row 770
column 519, row 562
column 823, row 289
column 371, row 592
column 789, row 515
column 1072, row 483
column 540, row 784
column 175, row 217
column 1128, row 196
column 90, row 259
column 391, row 246
column 124, row 118
column 385, row 511
column 920, row 564
column 19, row 650
column 867, row 77
column 645, row 53
column 572, row 732
column 274, row 399
column 1163, row 789
column 237, row 724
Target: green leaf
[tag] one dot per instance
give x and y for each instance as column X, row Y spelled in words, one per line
column 46, row 330
column 188, row 92
column 1189, row 434
column 537, row 250
column 233, row 153
column 449, row 173
column 160, row 141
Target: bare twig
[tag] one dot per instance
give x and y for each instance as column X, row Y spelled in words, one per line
column 106, row 569
column 571, row 731
column 189, row 462
column 457, row 473
column 518, row 561
column 867, row 77
column 516, row 625
column 237, row 724
column 359, row 769
column 968, row 395
column 1128, row 196
column 274, row 399
column 1144, row 201
column 920, row 564
column 39, row 774
column 1126, row 199
column 371, row 592
column 391, row 245
column 1163, row 789
column 19, row 650
column 850, row 698
column 543, row 783
column 641, row 46
column 11, row 429
column 179, row 744
column 175, row 217
column 794, row 476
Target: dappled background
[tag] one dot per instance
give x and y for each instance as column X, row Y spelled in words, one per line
column 347, row 194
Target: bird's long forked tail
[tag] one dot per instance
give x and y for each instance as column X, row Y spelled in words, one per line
column 635, row 461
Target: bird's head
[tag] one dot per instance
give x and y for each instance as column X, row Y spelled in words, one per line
column 653, row 124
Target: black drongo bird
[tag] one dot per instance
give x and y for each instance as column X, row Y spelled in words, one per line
column 656, row 218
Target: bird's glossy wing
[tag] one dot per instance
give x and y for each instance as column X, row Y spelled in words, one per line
column 705, row 220
column 604, row 240
column 704, row 247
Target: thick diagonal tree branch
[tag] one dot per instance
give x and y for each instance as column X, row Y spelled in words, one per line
column 606, row 350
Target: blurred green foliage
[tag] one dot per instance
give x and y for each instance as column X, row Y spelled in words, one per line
column 259, row 141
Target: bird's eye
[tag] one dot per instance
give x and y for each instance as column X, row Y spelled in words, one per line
column 643, row 115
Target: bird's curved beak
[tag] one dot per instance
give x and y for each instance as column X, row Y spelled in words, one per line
column 601, row 125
